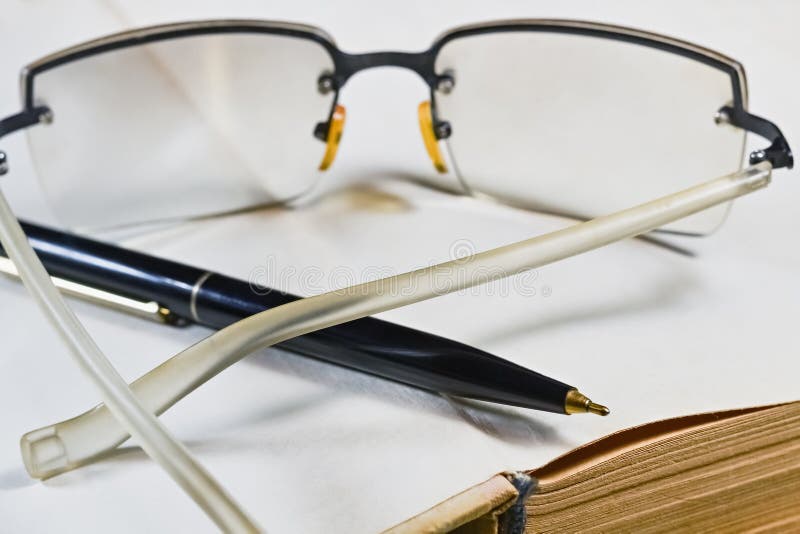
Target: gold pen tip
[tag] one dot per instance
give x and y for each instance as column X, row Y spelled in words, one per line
column 577, row 402
column 598, row 409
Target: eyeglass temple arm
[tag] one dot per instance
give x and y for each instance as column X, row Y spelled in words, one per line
column 128, row 411
column 778, row 153
column 69, row 444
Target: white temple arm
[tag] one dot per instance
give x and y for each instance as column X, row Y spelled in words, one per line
column 122, row 403
column 63, row 446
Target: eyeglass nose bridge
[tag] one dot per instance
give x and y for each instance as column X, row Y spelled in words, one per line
column 346, row 65
column 420, row 62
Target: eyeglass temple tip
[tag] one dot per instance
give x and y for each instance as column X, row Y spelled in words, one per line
column 43, row 453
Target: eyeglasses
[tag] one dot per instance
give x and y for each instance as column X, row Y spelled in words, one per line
column 243, row 106
column 189, row 119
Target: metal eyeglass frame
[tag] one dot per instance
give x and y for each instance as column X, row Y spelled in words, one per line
column 66, row 445
column 346, row 65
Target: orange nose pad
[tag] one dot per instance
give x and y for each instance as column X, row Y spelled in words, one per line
column 428, row 137
column 334, row 136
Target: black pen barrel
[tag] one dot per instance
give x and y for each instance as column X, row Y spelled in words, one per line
column 392, row 351
column 369, row 345
column 115, row 269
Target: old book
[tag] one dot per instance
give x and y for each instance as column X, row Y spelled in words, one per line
column 728, row 471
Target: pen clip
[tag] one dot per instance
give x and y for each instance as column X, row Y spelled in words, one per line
column 140, row 308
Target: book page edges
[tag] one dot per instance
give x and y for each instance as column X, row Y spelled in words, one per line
column 612, row 445
column 476, row 510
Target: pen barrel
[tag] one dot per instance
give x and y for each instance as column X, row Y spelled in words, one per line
column 116, row 269
column 391, row 351
column 369, row 345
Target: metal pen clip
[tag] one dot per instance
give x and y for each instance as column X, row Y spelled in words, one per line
column 140, row 308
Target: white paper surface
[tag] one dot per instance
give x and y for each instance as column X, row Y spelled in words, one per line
column 308, row 447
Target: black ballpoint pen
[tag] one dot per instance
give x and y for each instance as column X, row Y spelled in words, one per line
column 177, row 293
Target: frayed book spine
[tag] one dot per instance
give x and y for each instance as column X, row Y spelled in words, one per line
column 513, row 520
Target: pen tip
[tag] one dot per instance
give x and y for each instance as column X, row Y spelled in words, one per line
column 598, row 409
column 577, row 402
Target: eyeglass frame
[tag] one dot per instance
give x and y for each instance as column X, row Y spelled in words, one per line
column 778, row 153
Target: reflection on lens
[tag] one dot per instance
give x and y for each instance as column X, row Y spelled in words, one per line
column 583, row 126
column 180, row 128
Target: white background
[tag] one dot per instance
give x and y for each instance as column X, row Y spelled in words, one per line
column 307, row 447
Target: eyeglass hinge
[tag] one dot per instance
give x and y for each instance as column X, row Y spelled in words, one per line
column 21, row 120
column 25, row 118
column 778, row 154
